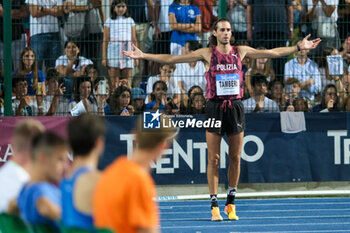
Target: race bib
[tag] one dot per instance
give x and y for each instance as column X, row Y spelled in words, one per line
column 227, row 84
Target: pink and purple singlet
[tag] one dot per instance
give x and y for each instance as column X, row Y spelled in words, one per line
column 225, row 76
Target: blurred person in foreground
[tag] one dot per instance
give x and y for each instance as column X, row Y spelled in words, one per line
column 130, row 206
column 39, row 201
column 86, row 135
column 15, row 172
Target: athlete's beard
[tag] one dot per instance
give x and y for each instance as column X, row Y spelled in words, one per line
column 224, row 43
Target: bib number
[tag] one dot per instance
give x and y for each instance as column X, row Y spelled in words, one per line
column 227, row 84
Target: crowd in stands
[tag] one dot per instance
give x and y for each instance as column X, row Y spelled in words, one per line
column 86, row 71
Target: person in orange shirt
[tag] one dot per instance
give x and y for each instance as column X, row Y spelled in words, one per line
column 123, row 197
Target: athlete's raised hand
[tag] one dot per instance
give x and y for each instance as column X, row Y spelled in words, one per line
column 309, row 44
column 136, row 54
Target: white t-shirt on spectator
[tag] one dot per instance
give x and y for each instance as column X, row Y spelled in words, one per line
column 269, row 105
column 120, row 28
column 172, row 84
column 191, row 76
column 64, row 107
column 12, row 179
column 47, row 100
column 63, row 61
column 45, row 24
column 319, row 11
column 30, row 110
column 163, row 21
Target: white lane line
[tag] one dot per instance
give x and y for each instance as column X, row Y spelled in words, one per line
column 254, row 225
column 260, row 211
column 250, row 218
column 298, row 231
column 266, row 204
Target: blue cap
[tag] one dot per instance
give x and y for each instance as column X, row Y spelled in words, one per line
column 137, row 93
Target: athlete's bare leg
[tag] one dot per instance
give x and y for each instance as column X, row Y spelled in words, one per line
column 213, row 144
column 235, row 142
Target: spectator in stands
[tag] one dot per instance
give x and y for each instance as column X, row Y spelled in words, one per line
column 162, row 29
column 190, row 74
column 72, row 64
column 324, row 14
column 138, row 100
column 39, row 201
column 62, row 101
column 185, row 21
column 236, row 14
column 22, row 104
column 197, row 104
column 91, row 41
column 142, row 13
column 293, row 89
column 289, row 107
column 102, row 94
column 166, row 71
column 270, row 25
column 162, row 32
column 28, row 67
column 54, row 92
column 307, row 72
column 19, row 11
column 84, row 99
column 300, row 105
column 185, row 101
column 346, row 52
column 297, row 11
column 207, row 19
column 44, row 30
column 92, row 72
column 15, row 172
column 332, row 100
column 124, row 82
column 119, row 33
column 170, row 107
column 258, row 66
column 119, row 103
column 343, row 19
column 136, row 190
column 259, row 102
column 326, row 78
column 277, row 93
column 86, row 135
column 158, row 97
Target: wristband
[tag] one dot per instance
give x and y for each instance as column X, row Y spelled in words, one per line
column 298, row 48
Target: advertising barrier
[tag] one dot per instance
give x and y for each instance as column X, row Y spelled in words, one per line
column 321, row 153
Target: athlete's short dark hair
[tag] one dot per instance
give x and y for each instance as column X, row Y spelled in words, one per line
column 83, row 131
column 45, row 143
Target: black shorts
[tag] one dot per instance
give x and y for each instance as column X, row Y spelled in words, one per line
column 232, row 118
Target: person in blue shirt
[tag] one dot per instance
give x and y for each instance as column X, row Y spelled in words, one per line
column 158, row 96
column 28, row 67
column 39, row 201
column 86, row 136
column 307, row 72
column 185, row 21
